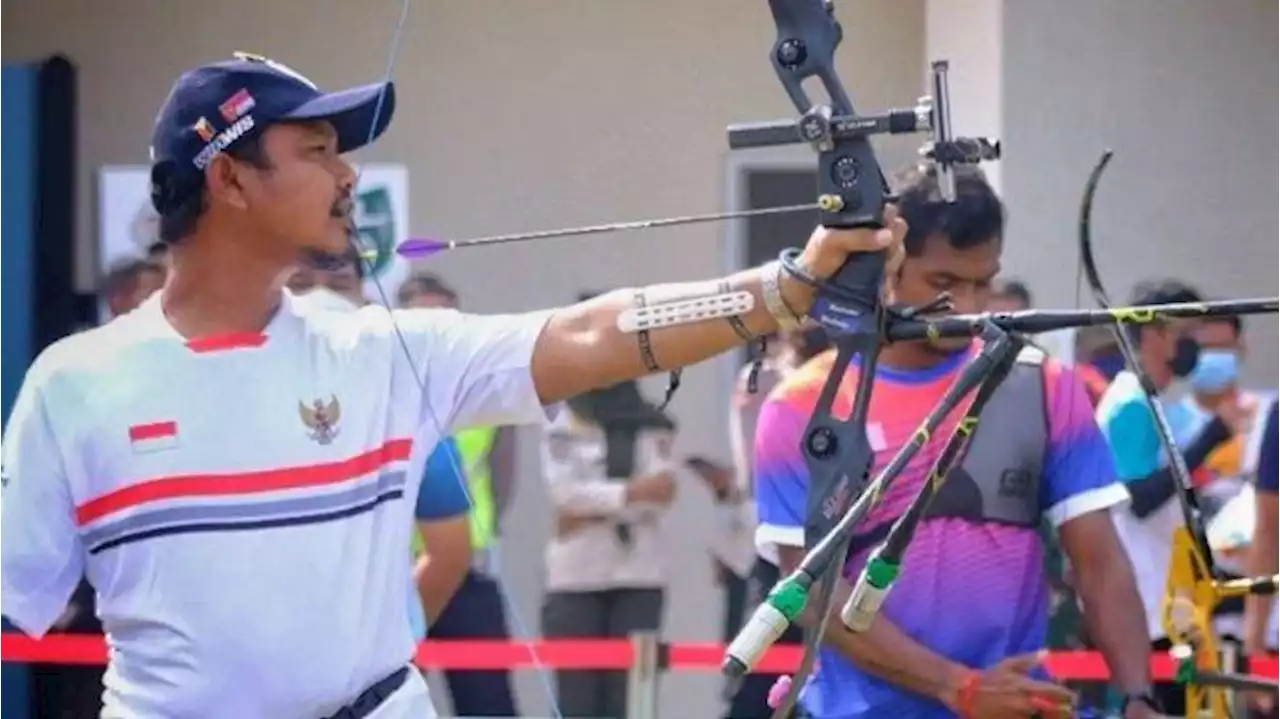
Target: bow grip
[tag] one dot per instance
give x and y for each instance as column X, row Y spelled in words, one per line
column 852, row 306
column 851, row 194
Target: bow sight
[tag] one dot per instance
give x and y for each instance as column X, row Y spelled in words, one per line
column 852, row 192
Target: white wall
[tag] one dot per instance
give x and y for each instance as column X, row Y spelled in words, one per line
column 968, row 33
column 1184, row 91
column 513, row 114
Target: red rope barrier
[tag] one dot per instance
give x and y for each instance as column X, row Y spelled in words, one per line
column 577, row 654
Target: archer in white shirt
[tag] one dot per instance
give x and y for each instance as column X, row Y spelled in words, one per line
column 231, row 465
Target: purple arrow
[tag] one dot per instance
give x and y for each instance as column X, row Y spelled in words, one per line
column 421, row 248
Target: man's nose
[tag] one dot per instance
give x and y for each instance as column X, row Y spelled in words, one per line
column 346, row 176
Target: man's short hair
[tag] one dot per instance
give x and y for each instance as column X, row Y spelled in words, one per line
column 1160, row 292
column 424, row 283
column 1016, row 289
column 123, row 275
column 1164, row 292
column 975, row 218
column 180, row 220
column 207, row 113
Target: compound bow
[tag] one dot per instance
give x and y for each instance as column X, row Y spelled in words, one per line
column 852, row 193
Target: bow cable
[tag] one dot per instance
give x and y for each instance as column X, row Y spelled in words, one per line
column 461, row 474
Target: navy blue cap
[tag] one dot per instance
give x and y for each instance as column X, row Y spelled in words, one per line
column 214, row 107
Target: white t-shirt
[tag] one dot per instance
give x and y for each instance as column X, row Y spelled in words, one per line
column 242, row 505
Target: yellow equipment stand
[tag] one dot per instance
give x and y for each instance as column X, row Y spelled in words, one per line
column 1191, row 596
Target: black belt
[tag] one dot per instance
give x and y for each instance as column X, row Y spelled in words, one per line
column 373, row 697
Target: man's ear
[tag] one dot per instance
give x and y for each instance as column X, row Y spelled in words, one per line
column 224, row 181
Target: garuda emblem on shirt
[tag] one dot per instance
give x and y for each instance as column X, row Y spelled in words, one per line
column 321, row 419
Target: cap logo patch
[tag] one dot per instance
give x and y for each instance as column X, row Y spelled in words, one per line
column 223, row 141
column 204, row 130
column 236, row 106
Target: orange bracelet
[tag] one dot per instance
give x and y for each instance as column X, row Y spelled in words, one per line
column 968, row 694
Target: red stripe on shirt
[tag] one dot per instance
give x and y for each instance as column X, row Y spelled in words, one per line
column 212, row 485
column 219, row 343
column 155, row 430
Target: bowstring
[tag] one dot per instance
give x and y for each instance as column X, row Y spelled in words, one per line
column 521, row 627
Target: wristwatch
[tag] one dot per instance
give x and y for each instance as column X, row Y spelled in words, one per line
column 1145, row 697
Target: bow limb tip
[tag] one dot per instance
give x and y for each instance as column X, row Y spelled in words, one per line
column 421, row 248
column 1103, row 160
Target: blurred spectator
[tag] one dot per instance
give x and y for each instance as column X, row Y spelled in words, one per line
column 1262, row 556
column 1009, row 296
column 610, row 474
column 442, row 547
column 1168, row 351
column 129, row 283
column 731, row 549
column 785, row 353
column 69, row 691
column 1096, row 347
column 425, row 290
column 337, row 284
column 488, row 456
column 1215, row 390
column 158, row 252
column 1225, row 480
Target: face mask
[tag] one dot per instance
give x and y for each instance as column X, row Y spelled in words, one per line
column 327, row 299
column 1185, row 357
column 1215, row 371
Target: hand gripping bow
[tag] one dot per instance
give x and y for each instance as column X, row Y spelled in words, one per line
column 852, row 192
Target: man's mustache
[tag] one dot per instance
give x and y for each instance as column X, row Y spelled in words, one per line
column 343, row 208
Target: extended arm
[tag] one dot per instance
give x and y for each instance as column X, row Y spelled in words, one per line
column 444, row 529
column 582, row 347
column 440, row 569
column 1150, row 492
column 494, row 370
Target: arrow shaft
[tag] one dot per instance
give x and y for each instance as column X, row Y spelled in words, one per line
column 409, row 248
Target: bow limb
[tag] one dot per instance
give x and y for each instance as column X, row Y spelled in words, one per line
column 1191, row 510
column 1191, row 572
column 1087, row 260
